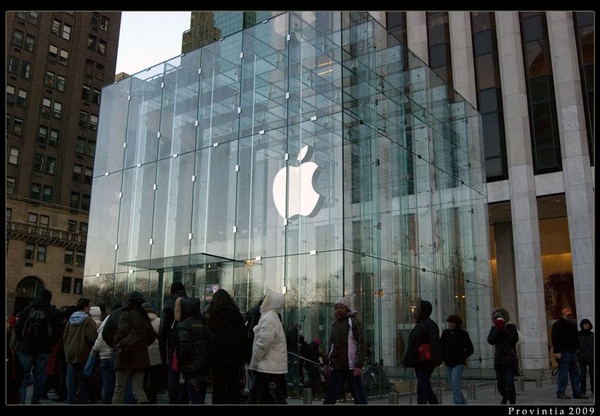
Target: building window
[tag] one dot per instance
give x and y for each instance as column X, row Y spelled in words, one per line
column 29, row 43
column 89, row 68
column 46, row 105
column 53, row 52
column 96, row 96
column 53, row 139
column 48, row 194
column 66, row 285
column 18, row 126
column 44, row 220
column 38, row 162
column 93, row 122
column 60, row 83
column 66, row 32
column 80, row 145
column 42, row 134
column 36, row 191
column 13, row 65
column 41, row 252
column 10, row 94
column 77, row 173
column 57, row 110
column 18, row 38
column 83, row 228
column 90, row 148
column 22, row 98
column 99, row 74
column 29, row 251
column 80, row 259
column 102, row 47
column 11, row 185
column 78, row 289
column 50, row 165
column 86, row 93
column 13, row 156
column 69, row 256
column 32, row 218
column 74, row 203
column 25, row 70
column 92, row 43
column 49, row 79
column 56, row 26
column 72, row 226
column 64, row 57
column 87, row 177
column 85, row 202
column 83, row 119
column 8, row 214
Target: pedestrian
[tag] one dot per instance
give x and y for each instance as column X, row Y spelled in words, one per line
column 104, row 352
column 456, row 348
column 293, row 343
column 192, row 349
column 66, row 312
column 167, row 338
column 154, row 375
column 504, row 336
column 96, row 375
column 424, row 351
column 314, row 365
column 133, row 318
column 251, row 318
column 226, row 347
column 78, row 338
column 585, row 357
column 38, row 329
column 269, row 353
column 14, row 369
column 565, row 343
column 345, row 354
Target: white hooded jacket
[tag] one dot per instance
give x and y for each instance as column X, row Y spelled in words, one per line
column 269, row 349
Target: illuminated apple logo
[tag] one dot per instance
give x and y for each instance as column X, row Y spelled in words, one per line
column 302, row 199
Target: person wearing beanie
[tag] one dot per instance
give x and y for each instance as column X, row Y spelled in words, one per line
column 456, row 348
column 314, row 363
column 585, row 356
column 133, row 366
column 34, row 351
column 345, row 354
column 167, row 339
column 504, row 336
column 565, row 345
column 424, row 351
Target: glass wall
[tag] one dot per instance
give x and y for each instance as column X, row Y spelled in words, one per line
column 301, row 155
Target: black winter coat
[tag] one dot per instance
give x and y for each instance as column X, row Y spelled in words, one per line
column 167, row 339
column 135, row 317
column 425, row 332
column 586, row 343
column 564, row 336
column 456, row 346
column 504, row 342
column 42, row 346
column 228, row 335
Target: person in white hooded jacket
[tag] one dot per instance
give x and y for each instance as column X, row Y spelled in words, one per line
column 269, row 353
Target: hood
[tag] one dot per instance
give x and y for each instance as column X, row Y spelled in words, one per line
column 78, row 318
column 272, row 301
column 95, row 312
column 424, row 309
column 501, row 312
column 585, row 321
column 189, row 307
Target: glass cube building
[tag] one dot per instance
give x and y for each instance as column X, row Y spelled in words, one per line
column 310, row 154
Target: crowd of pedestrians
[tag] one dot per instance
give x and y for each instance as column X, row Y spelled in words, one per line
column 244, row 357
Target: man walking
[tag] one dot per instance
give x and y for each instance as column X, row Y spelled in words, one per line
column 565, row 342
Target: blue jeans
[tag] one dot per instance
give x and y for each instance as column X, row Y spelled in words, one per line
column 568, row 367
column 337, row 382
column 37, row 363
column 78, row 386
column 455, row 380
column 108, row 380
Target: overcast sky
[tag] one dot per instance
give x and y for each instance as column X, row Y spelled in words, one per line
column 149, row 38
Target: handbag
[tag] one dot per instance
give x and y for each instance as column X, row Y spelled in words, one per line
column 129, row 345
column 424, row 352
column 90, row 364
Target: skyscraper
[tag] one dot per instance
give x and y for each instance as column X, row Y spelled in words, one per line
column 58, row 62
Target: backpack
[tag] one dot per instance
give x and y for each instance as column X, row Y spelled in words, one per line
column 36, row 330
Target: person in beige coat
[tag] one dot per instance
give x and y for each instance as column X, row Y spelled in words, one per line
column 269, row 353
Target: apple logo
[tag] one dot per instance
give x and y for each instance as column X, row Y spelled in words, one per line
column 302, row 199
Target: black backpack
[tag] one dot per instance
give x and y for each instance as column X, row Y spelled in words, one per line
column 36, row 330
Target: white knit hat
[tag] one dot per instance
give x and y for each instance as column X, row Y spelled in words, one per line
column 344, row 301
column 95, row 312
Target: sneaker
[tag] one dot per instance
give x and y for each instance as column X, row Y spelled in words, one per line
column 580, row 396
column 563, row 396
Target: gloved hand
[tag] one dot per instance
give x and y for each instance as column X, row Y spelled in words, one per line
column 357, row 372
column 500, row 323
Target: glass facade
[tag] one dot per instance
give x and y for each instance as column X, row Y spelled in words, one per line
column 301, row 155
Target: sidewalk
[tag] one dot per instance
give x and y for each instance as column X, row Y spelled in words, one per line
column 531, row 394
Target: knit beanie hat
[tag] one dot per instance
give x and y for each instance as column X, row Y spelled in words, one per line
column 136, row 297
column 344, row 301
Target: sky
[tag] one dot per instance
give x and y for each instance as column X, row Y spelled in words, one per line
column 149, row 38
